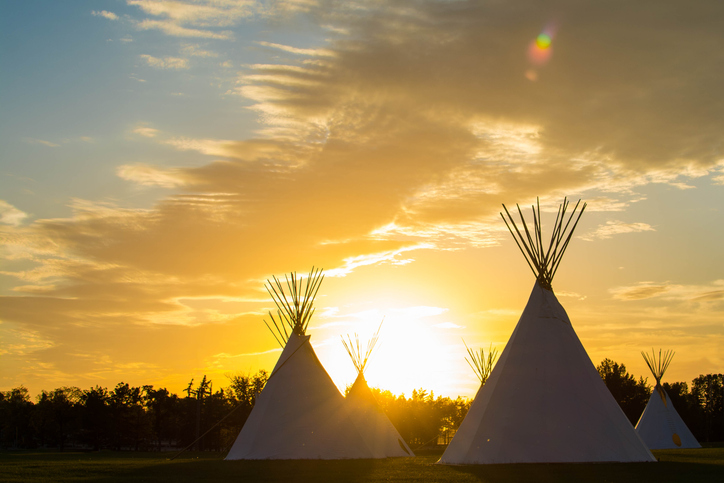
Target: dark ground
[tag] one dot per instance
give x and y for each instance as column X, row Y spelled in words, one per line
column 697, row 465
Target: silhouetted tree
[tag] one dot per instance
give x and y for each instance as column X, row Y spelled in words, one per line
column 422, row 418
column 56, row 410
column 630, row 394
column 16, row 411
column 708, row 390
column 95, row 414
column 162, row 409
column 128, row 417
column 139, row 417
column 204, row 389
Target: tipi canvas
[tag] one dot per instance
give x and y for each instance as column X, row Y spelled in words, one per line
column 300, row 413
column 544, row 401
column 660, row 426
column 378, row 432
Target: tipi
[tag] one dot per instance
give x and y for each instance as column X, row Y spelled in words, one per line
column 375, row 427
column 660, row 426
column 481, row 364
column 544, row 401
column 300, row 413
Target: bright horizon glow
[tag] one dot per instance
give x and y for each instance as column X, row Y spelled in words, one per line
column 397, row 363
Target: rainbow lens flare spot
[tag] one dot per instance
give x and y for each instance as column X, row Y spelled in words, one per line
column 543, row 41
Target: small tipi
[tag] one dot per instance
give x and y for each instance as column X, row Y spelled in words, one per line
column 660, row 426
column 300, row 413
column 544, row 401
column 376, row 429
column 481, row 364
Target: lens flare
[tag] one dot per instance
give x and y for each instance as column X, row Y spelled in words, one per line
column 539, row 56
column 540, row 50
column 543, row 41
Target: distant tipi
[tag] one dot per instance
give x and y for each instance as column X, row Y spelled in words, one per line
column 300, row 413
column 481, row 364
column 544, row 401
column 377, row 430
column 660, row 426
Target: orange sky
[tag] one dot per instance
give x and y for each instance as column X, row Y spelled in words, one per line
column 162, row 159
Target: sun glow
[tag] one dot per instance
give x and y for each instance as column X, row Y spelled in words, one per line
column 417, row 348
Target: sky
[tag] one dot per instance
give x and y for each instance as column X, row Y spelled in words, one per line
column 160, row 160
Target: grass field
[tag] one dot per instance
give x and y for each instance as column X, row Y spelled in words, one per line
column 699, row 465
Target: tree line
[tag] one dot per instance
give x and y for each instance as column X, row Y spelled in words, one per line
column 146, row 418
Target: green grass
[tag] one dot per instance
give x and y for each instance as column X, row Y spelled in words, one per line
column 699, row 465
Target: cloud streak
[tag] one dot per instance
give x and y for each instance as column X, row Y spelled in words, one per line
column 615, row 227
column 10, row 215
column 166, row 63
column 105, row 14
column 150, row 176
column 669, row 291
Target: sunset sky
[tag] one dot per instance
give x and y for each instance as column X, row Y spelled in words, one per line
column 159, row 160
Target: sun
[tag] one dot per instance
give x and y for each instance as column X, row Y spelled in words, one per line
column 412, row 352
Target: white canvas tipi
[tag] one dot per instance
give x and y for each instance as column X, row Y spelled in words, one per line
column 660, row 426
column 377, row 430
column 544, row 401
column 300, row 413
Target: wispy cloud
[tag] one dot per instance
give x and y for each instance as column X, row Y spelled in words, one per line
column 297, row 50
column 146, row 131
column 10, row 215
column 151, row 176
column 374, row 258
column 670, row 291
column 210, row 147
column 41, row 141
column 643, row 290
column 201, row 19
column 211, row 13
column 615, row 227
column 104, row 14
column 166, row 62
column 197, row 51
column 175, row 30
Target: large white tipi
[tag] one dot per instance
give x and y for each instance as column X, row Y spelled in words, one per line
column 376, row 429
column 544, row 401
column 300, row 413
column 660, row 426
